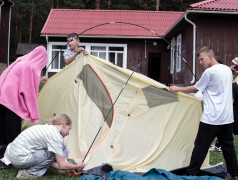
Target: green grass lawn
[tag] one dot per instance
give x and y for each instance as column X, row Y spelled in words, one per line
column 10, row 174
column 51, row 174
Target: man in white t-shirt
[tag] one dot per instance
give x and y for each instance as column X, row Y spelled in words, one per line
column 217, row 117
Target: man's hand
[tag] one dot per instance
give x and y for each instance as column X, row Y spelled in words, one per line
column 44, row 79
column 80, row 165
column 82, row 50
column 174, row 88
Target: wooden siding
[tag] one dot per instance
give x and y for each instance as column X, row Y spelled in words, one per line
column 220, row 34
column 214, row 30
column 4, row 32
column 185, row 76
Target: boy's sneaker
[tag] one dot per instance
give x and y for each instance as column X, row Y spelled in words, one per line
column 24, row 175
column 218, row 149
column 214, row 148
column 3, row 165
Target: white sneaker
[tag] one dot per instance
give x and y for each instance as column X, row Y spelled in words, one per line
column 214, row 148
column 24, row 175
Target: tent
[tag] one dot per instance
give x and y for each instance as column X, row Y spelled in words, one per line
column 148, row 127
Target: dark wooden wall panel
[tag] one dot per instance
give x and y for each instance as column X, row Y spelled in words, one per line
column 4, row 29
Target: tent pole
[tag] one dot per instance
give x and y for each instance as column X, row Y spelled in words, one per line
column 111, row 110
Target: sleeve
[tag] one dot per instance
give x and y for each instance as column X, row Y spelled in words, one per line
column 28, row 94
column 56, row 145
column 203, row 82
column 66, row 54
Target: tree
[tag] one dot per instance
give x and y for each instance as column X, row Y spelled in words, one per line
column 157, row 5
column 31, row 20
column 97, row 4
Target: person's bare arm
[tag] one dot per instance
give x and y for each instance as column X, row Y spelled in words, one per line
column 60, row 163
column 71, row 58
column 189, row 89
column 44, row 79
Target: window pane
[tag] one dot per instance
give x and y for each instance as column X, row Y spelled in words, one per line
column 102, row 55
column 112, row 58
column 116, row 48
column 58, row 47
column 55, row 60
column 98, row 48
column 94, row 53
column 62, row 63
column 120, row 59
column 81, row 46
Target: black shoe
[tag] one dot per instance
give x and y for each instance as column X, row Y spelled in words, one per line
column 3, row 166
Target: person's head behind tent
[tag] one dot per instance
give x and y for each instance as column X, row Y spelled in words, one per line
column 73, row 40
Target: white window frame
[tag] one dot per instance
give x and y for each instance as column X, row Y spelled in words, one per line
column 172, row 53
column 178, row 53
column 88, row 48
column 49, row 50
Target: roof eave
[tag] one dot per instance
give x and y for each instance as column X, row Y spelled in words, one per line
column 198, row 11
column 119, row 37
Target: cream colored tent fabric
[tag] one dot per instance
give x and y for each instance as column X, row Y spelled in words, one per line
column 149, row 126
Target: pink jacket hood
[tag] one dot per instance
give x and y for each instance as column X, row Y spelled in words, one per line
column 19, row 84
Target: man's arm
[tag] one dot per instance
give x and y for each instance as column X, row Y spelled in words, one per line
column 60, row 163
column 189, row 89
column 71, row 58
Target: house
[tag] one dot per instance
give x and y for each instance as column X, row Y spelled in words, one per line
column 5, row 19
column 104, row 35
column 166, row 41
column 25, row 48
column 212, row 23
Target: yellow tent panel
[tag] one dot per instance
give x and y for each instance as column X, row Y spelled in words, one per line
column 148, row 127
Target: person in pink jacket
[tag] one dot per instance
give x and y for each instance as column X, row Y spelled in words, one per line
column 19, row 85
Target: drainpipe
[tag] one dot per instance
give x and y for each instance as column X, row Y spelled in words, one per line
column 47, row 41
column 194, row 45
column 1, row 11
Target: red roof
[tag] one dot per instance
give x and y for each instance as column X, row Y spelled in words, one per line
column 216, row 5
column 65, row 21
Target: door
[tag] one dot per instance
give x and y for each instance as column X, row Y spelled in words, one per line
column 154, row 66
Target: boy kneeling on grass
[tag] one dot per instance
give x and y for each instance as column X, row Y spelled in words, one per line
column 39, row 147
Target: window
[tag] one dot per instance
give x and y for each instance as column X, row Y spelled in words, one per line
column 55, row 56
column 173, row 47
column 114, row 53
column 178, row 53
column 176, row 50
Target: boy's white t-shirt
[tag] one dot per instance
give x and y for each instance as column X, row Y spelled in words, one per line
column 216, row 86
